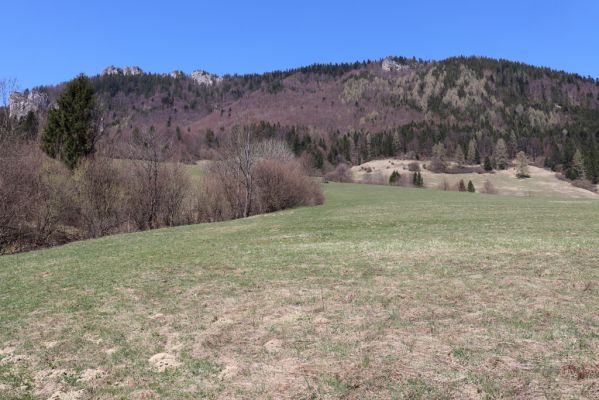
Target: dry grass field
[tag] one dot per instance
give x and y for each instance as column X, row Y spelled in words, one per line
column 381, row 293
column 542, row 183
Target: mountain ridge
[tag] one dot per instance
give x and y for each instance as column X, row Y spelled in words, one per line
column 408, row 103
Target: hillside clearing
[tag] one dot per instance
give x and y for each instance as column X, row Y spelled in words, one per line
column 382, row 292
column 542, row 183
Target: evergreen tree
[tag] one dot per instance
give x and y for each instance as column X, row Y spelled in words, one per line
column 471, row 155
column 71, row 131
column 592, row 166
column 394, row 178
column 471, row 187
column 576, row 170
column 438, row 159
column 501, row 156
column 522, row 165
column 417, row 179
column 488, row 165
column 459, row 156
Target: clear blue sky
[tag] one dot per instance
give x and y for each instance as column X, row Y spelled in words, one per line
column 52, row 41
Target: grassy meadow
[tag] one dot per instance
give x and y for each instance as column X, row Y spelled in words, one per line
column 380, row 293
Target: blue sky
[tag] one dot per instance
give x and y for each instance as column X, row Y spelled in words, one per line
column 52, row 41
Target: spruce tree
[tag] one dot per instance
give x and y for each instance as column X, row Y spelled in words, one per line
column 501, row 156
column 417, row 179
column 394, row 178
column 459, row 156
column 577, row 169
column 488, row 165
column 471, row 187
column 70, row 132
column 471, row 155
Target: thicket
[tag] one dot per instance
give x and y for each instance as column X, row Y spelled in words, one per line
column 44, row 203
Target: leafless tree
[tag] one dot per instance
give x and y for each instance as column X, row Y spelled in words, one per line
column 157, row 187
column 99, row 196
column 7, row 87
column 241, row 153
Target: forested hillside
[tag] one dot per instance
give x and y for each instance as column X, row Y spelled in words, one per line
column 360, row 111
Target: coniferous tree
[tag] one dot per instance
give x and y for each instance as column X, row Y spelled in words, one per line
column 437, row 163
column 71, row 130
column 471, row 187
column 576, row 170
column 488, row 165
column 459, row 156
column 417, row 179
column 394, row 178
column 522, row 165
column 501, row 155
column 471, row 155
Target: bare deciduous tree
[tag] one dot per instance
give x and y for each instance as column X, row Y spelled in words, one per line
column 7, row 87
column 240, row 154
column 157, row 187
column 99, row 196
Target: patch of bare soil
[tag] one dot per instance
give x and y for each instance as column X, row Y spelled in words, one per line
column 164, row 361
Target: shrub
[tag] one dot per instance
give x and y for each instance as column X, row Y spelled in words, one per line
column 522, row 165
column 414, row 166
column 155, row 194
column 283, row 185
column 341, row 173
column 278, row 185
column 375, row 178
column 488, row 188
column 471, row 187
column 99, row 196
column 461, row 186
column 444, row 185
column 585, row 184
column 35, row 199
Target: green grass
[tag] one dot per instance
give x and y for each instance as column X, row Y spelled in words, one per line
column 382, row 292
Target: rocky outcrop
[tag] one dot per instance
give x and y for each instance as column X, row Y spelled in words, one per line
column 176, row 74
column 205, row 78
column 127, row 71
column 20, row 104
column 131, row 71
column 391, row 65
column 112, row 70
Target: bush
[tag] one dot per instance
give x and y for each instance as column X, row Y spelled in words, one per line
column 461, row 186
column 283, row 185
column 414, row 166
column 488, row 188
column 35, row 197
column 342, row 173
column 585, row 184
column 155, row 194
column 100, row 197
column 375, row 178
column 278, row 185
column 444, row 185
